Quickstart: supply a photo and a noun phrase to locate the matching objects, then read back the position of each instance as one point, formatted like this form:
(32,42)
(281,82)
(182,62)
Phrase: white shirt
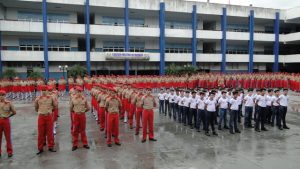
(223,103)
(186,101)
(269,100)
(240,98)
(201,103)
(211,105)
(249,101)
(172,98)
(283,100)
(229,96)
(234,104)
(275,100)
(180,101)
(193,103)
(261,100)
(177,99)
(161,96)
(166,96)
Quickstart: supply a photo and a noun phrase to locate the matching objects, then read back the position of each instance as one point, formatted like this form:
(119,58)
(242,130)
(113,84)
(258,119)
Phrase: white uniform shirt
(283,100)
(177,99)
(261,100)
(161,96)
(234,104)
(269,100)
(180,100)
(193,103)
(167,95)
(223,103)
(211,105)
(275,100)
(201,103)
(240,98)
(249,101)
(186,101)
(172,98)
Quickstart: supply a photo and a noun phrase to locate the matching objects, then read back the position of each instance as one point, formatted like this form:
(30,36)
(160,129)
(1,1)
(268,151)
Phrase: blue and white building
(213,37)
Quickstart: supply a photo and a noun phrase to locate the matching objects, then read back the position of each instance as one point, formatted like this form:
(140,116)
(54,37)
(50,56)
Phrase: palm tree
(10,73)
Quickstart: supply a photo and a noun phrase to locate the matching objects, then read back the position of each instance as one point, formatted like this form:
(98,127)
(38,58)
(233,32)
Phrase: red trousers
(55,114)
(130,114)
(148,116)
(5,128)
(45,131)
(101,117)
(79,124)
(138,118)
(112,127)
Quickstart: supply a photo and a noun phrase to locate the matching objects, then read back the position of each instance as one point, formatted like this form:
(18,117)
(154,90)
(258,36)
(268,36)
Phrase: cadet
(6,111)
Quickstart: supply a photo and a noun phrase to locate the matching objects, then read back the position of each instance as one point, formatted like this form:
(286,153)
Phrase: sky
(278,4)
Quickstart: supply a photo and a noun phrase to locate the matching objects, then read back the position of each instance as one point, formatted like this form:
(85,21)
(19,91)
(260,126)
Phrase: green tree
(77,70)
(35,74)
(172,69)
(188,69)
(10,73)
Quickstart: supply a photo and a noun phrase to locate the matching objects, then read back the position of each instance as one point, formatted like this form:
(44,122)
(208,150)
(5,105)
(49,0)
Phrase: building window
(120,47)
(38,17)
(178,48)
(37,45)
(178,25)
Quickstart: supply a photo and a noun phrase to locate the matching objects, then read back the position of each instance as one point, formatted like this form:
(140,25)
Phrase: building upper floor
(107,18)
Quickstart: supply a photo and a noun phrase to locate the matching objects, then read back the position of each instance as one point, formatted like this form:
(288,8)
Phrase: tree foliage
(10,73)
(179,70)
(77,70)
(36,74)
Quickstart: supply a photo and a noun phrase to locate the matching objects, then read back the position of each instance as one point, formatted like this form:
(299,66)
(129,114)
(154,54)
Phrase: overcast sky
(279,4)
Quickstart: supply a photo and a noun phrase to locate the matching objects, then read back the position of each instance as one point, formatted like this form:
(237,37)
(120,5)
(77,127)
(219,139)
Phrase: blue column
(87,37)
(251,41)
(162,38)
(223,41)
(0,54)
(276,43)
(194,39)
(45,39)
(127,49)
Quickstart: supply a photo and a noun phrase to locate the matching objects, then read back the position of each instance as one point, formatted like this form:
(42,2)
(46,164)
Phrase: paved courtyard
(178,147)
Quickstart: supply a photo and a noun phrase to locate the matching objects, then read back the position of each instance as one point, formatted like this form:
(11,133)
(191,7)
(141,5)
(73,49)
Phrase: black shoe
(143,141)
(118,144)
(9,155)
(207,134)
(237,131)
(250,126)
(198,131)
(74,148)
(86,146)
(215,134)
(109,145)
(264,129)
(219,128)
(225,127)
(280,128)
(39,152)
(257,130)
(272,125)
(231,132)
(51,150)
(152,139)
(286,127)
(101,129)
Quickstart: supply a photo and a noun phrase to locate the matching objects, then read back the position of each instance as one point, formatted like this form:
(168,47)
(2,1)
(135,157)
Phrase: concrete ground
(178,147)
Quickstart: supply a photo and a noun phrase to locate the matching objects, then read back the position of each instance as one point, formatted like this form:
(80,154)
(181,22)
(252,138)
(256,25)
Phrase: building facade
(214,37)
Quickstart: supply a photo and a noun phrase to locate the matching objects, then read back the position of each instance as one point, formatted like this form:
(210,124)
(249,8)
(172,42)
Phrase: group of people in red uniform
(116,97)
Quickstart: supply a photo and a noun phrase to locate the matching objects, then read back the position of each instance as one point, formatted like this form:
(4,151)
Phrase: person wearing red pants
(149,104)
(113,106)
(44,106)
(6,111)
(101,114)
(132,108)
(79,106)
(139,111)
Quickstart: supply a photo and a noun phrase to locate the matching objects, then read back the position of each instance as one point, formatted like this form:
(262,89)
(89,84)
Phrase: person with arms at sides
(7,110)
(261,101)
(210,107)
(283,101)
(223,104)
(276,110)
(201,112)
(249,103)
(234,108)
